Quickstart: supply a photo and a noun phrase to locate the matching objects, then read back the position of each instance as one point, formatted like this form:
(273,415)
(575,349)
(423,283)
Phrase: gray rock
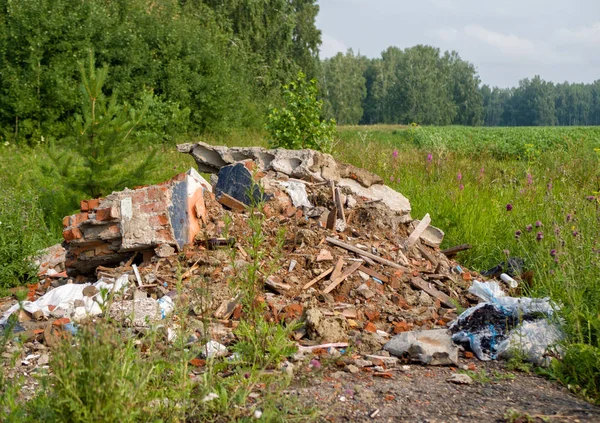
(433,347)
(352,369)
(460,379)
(359,362)
(365,291)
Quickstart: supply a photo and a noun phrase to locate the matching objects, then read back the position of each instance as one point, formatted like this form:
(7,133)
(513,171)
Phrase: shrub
(299,125)
(22,234)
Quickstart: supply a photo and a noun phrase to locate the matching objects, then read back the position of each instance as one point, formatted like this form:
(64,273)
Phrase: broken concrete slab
(305,164)
(136,313)
(113,228)
(395,201)
(325,328)
(432,347)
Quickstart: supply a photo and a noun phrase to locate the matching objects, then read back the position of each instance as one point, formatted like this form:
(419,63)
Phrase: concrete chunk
(433,347)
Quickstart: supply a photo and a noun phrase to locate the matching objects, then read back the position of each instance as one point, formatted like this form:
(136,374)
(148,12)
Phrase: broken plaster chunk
(393,199)
(365,291)
(213,349)
(433,347)
(460,379)
(164,250)
(324,255)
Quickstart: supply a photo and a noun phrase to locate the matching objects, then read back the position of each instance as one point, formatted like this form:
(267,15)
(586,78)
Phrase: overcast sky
(506,40)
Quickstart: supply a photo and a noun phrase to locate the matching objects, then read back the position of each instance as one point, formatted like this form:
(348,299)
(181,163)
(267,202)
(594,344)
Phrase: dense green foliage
(298,124)
(210,66)
(22,234)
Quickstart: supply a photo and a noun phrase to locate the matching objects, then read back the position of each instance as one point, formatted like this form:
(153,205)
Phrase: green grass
(465,178)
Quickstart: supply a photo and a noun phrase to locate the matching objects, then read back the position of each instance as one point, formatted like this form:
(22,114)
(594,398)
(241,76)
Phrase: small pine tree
(103,139)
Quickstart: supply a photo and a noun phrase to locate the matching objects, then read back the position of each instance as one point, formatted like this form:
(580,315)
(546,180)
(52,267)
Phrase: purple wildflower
(315,363)
(553,252)
(575,233)
(517,234)
(529,228)
(459,176)
(539,236)
(590,198)
(391,178)
(481,171)
(509,207)
(429,158)
(549,186)
(569,217)
(538,224)
(529,179)
(461,187)
(506,252)
(395,153)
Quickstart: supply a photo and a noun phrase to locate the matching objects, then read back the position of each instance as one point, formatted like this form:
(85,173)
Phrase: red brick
(232,203)
(138,196)
(71,234)
(106,214)
(154,193)
(468,354)
(93,204)
(155,207)
(159,220)
(80,217)
(373,316)
(250,165)
(466,276)
(84,206)
(62,321)
(237,312)
(66,221)
(103,250)
(293,310)
(370,327)
(165,235)
(400,327)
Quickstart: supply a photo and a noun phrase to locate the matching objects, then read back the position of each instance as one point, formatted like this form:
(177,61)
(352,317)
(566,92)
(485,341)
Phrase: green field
(523,192)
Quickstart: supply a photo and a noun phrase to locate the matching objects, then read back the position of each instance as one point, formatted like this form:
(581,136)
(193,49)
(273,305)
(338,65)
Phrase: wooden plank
(424,286)
(416,234)
(449,252)
(373,273)
(364,253)
(343,277)
(337,271)
(339,205)
(332,218)
(318,278)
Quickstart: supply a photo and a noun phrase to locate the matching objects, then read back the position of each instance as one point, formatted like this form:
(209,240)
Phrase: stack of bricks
(110,230)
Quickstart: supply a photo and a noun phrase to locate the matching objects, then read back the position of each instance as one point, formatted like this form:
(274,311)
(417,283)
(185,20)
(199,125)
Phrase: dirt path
(422,394)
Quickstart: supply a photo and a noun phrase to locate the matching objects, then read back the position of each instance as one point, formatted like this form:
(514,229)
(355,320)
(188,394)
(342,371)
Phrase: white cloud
(586,36)
(331,46)
(507,44)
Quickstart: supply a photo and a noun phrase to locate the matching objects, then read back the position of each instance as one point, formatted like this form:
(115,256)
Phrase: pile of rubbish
(354,267)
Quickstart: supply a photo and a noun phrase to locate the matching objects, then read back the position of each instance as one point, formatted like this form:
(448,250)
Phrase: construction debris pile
(354,267)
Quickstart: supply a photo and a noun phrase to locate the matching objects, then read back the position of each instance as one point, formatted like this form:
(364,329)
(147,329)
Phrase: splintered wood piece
(416,234)
(360,252)
(331,219)
(278,287)
(337,271)
(339,205)
(343,277)
(450,252)
(373,273)
(424,286)
(318,278)
(426,254)
(403,258)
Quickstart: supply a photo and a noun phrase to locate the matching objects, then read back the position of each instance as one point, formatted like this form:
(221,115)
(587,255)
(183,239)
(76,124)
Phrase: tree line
(422,85)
